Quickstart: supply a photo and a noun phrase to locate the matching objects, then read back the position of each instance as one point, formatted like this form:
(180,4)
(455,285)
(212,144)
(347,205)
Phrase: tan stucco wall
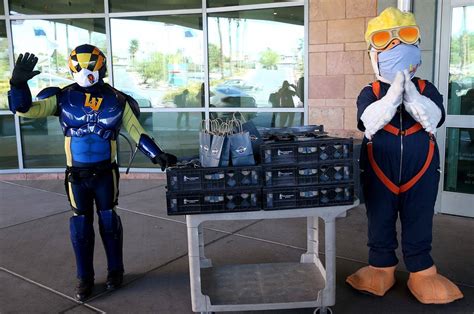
(339,66)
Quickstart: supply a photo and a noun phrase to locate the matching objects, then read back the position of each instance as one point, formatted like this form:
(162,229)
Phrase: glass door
(456,83)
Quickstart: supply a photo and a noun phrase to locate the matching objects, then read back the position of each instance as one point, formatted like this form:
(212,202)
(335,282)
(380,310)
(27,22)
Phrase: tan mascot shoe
(376,280)
(429,287)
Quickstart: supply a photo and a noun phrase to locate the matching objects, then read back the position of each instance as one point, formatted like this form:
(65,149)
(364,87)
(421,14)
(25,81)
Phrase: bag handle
(242,117)
(222,129)
(236,123)
(205,125)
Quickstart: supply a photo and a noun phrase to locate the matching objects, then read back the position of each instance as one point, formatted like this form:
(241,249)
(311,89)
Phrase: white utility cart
(266,286)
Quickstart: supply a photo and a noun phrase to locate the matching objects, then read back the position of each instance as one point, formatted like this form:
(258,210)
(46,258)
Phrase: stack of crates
(307,172)
(213,190)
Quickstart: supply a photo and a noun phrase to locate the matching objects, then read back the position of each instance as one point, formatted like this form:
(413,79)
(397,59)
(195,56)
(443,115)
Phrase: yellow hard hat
(389,18)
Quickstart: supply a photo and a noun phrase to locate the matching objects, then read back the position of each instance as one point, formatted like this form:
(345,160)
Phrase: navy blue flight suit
(400,158)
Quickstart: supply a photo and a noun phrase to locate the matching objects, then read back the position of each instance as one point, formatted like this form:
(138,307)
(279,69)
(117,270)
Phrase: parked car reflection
(230,97)
(143,101)
(236,83)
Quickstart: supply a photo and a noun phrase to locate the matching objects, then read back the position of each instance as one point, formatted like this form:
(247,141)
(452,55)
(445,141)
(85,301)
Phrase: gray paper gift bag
(205,141)
(241,151)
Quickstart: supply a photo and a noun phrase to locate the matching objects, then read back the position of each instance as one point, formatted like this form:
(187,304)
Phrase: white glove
(381,112)
(421,108)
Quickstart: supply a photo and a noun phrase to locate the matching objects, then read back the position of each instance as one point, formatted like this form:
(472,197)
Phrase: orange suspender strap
(389,184)
(421,85)
(405,187)
(376,89)
(412,130)
(391,129)
(382,177)
(395,131)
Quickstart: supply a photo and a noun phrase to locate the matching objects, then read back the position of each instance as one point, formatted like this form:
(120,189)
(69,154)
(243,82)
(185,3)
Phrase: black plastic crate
(336,172)
(308,196)
(307,150)
(308,174)
(221,178)
(213,202)
(336,195)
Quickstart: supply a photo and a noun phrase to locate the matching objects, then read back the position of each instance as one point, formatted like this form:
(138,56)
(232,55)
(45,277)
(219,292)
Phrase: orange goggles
(407,34)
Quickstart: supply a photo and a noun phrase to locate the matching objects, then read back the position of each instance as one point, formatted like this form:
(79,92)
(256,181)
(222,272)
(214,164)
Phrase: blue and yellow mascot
(91,114)
(399,114)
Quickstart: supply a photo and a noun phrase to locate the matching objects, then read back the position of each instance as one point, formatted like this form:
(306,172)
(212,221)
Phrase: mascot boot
(375,280)
(429,287)
(82,238)
(111,231)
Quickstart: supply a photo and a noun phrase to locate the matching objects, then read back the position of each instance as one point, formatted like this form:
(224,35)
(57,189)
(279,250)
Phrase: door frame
(449,202)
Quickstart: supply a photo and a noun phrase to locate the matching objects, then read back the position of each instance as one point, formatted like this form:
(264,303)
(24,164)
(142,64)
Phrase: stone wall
(339,66)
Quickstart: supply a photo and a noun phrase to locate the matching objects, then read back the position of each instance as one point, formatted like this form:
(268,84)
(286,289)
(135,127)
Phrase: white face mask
(86,78)
(399,58)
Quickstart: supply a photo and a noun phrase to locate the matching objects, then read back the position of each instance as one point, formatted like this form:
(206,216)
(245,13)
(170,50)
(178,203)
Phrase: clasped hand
(402,89)
(381,112)
(421,108)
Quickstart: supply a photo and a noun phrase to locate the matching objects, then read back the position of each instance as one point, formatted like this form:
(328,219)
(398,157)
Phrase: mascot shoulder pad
(133,104)
(48,92)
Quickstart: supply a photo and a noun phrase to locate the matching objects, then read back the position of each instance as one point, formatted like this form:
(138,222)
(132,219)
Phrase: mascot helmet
(392,39)
(389,25)
(87,65)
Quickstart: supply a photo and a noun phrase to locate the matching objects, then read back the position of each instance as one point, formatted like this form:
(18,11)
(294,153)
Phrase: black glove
(165,160)
(23,70)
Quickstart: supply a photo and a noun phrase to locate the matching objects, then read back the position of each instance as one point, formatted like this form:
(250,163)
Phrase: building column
(339,66)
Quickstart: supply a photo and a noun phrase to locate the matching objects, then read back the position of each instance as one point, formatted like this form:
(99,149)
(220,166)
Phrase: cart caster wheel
(323,310)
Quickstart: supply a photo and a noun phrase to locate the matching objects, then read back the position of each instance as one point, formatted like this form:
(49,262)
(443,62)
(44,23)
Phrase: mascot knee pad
(81,229)
(109,221)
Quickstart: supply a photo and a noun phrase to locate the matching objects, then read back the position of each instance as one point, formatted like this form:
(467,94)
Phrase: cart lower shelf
(269,286)
(262,283)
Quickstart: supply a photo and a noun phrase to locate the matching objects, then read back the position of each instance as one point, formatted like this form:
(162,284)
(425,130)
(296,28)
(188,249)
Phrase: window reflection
(52,42)
(246,67)
(162,67)
(459,168)
(176,132)
(264,119)
(8,153)
(43,143)
(226,3)
(54,6)
(180,138)
(461,68)
(4,67)
(124,6)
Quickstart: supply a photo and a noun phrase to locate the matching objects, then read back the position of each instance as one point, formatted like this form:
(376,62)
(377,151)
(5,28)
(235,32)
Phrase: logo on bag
(214,151)
(93,102)
(241,150)
(206,148)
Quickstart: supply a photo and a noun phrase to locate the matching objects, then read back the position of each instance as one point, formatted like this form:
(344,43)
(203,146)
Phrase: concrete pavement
(37,269)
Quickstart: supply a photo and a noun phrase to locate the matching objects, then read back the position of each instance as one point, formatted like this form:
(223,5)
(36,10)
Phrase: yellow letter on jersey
(92,102)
